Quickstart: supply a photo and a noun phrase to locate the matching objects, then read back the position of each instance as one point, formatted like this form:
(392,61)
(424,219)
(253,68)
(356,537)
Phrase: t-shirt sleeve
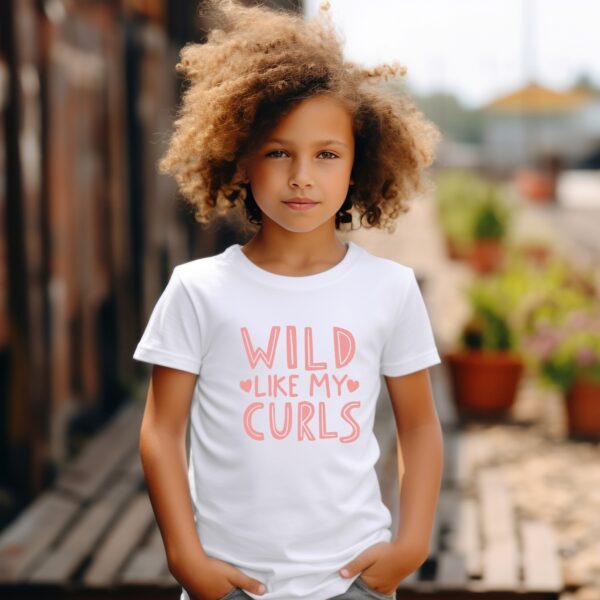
(410,345)
(172,335)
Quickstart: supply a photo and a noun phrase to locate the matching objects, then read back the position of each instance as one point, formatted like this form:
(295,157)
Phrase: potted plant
(536,249)
(489,230)
(486,368)
(458,195)
(566,355)
(535,185)
(473,216)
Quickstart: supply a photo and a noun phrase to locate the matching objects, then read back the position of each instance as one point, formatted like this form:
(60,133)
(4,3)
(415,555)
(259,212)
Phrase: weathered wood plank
(155,539)
(147,566)
(26,540)
(501,565)
(103,454)
(126,534)
(62,561)
(446,511)
(542,570)
(464,536)
(451,571)
(462,460)
(500,554)
(498,520)
(132,466)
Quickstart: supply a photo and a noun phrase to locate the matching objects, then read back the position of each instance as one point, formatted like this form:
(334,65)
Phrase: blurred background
(506,246)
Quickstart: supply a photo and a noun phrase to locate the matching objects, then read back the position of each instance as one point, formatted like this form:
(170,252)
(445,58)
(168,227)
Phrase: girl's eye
(274,151)
(331,154)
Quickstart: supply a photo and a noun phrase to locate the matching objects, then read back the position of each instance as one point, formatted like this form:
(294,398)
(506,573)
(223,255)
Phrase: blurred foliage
(570,350)
(508,305)
(471,207)
(492,218)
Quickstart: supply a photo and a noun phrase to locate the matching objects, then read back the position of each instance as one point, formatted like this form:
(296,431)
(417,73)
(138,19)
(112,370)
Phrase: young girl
(275,350)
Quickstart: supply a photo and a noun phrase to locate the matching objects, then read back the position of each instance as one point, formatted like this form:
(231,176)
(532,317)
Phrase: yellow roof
(537,98)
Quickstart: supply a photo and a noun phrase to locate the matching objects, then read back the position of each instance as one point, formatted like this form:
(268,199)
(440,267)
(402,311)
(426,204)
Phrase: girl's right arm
(163,456)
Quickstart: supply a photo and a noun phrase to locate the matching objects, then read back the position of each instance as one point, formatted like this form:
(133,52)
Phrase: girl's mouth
(301,205)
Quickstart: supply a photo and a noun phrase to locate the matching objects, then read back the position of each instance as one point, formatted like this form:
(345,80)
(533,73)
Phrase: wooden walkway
(93,535)
(480,546)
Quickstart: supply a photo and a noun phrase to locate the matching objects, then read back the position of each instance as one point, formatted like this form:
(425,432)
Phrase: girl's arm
(164,462)
(420,436)
(163,455)
(384,565)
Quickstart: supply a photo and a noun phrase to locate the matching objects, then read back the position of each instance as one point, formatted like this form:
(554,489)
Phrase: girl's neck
(295,255)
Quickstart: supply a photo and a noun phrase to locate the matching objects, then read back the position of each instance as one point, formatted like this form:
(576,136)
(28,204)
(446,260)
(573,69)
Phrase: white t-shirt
(282,449)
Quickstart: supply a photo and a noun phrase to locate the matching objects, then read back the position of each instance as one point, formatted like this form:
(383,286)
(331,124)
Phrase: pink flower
(547,346)
(585,356)
(544,343)
(579,319)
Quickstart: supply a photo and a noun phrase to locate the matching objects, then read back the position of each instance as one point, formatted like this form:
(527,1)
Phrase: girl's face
(309,155)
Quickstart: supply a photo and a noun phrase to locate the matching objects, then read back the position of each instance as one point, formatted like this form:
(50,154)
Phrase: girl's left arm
(384,565)
(420,435)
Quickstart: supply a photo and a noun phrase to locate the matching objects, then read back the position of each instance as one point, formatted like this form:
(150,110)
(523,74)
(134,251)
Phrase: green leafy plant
(491,219)
(471,207)
(508,305)
(489,326)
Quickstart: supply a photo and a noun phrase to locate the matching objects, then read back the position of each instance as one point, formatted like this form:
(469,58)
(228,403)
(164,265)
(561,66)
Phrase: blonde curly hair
(256,65)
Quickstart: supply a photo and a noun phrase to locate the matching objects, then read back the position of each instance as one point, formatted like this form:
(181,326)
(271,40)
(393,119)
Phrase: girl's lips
(301,205)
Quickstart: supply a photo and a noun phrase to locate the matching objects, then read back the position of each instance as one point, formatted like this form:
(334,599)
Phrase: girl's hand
(384,565)
(213,578)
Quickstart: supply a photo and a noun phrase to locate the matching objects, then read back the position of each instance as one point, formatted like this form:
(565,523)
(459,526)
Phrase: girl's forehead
(320,103)
(322,113)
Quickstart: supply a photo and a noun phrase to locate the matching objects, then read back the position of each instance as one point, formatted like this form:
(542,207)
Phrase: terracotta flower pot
(484,382)
(583,409)
(486,255)
(454,250)
(535,185)
(538,254)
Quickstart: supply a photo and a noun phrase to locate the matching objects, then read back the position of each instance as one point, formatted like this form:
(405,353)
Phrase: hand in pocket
(215,579)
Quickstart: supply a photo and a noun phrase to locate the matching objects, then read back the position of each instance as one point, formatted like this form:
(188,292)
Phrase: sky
(476,49)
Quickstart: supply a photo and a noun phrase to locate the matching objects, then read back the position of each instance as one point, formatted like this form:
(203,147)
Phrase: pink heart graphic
(353,384)
(246,384)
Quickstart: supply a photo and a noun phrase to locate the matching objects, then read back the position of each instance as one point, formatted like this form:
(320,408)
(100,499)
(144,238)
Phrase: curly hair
(256,65)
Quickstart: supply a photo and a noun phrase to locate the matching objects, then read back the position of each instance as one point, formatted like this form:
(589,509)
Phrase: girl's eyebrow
(318,143)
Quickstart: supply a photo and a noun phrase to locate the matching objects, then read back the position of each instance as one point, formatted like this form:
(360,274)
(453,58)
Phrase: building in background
(537,124)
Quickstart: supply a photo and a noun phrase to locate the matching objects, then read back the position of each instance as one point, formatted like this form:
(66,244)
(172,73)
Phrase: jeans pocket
(360,582)
(230,594)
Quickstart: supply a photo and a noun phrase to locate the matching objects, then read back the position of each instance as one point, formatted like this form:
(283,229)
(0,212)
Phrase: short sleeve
(411,344)
(172,335)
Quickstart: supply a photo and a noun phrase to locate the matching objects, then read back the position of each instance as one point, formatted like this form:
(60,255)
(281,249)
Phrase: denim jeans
(359,590)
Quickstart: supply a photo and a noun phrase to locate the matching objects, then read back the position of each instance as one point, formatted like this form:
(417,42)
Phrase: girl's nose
(300,175)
